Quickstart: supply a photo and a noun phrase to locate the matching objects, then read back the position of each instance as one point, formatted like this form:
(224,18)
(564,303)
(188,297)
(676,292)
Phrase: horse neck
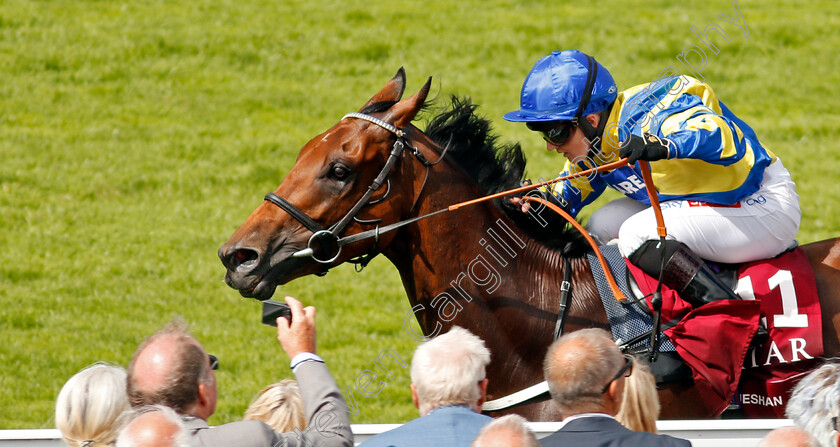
(474,268)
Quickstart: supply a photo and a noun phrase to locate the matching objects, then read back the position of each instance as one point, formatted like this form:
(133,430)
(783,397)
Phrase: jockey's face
(576,148)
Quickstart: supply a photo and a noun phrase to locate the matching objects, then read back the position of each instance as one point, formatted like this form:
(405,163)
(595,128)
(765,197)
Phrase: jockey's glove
(555,200)
(548,197)
(650,148)
(543,211)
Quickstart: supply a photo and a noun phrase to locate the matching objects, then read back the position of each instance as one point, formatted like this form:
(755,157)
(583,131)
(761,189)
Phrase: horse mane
(497,167)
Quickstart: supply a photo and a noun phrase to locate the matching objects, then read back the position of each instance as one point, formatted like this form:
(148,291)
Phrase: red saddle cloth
(713,340)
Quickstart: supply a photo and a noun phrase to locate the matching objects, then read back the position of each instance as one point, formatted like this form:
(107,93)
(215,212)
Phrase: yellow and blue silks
(715,157)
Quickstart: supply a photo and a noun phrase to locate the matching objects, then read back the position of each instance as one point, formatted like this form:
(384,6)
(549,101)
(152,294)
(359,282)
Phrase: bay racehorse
(488,267)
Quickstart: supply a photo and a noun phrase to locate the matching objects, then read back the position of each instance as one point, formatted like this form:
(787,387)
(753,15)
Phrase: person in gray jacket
(172,368)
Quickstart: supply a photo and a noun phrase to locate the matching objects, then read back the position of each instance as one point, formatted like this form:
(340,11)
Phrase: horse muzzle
(256,275)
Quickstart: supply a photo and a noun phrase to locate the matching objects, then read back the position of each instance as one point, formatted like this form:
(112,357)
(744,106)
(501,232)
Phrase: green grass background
(136,136)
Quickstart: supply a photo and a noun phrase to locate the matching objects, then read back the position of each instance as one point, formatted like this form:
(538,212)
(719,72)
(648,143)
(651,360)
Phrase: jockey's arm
(705,136)
(578,192)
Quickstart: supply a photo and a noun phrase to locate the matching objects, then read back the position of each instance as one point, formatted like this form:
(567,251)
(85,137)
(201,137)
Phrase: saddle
(711,343)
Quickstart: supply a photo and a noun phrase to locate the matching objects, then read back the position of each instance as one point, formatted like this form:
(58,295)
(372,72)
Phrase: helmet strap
(593,135)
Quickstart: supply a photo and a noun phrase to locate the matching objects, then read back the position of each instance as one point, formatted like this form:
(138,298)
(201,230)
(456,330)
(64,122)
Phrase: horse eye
(339,172)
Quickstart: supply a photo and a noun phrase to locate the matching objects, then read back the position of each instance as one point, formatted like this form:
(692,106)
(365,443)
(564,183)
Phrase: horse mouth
(260,290)
(282,268)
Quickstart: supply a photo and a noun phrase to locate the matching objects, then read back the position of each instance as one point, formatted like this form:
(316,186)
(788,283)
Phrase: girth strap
(565,293)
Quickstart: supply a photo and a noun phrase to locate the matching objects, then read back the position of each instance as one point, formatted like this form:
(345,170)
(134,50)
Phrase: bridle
(330,237)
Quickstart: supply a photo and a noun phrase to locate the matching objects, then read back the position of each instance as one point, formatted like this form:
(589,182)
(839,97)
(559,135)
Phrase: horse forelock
(494,167)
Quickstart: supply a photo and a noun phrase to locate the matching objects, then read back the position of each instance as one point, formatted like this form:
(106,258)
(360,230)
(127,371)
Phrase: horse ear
(392,92)
(404,111)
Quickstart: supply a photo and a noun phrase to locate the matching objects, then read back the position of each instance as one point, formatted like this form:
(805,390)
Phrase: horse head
(344,181)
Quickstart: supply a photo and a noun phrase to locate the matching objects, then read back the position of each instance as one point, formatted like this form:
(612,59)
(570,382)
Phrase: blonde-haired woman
(640,406)
(280,406)
(89,406)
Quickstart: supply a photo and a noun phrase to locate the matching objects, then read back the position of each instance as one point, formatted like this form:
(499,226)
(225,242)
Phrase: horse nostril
(243,257)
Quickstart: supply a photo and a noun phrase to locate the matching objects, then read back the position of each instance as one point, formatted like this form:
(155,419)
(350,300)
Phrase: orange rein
(617,293)
(654,199)
(654,203)
(606,167)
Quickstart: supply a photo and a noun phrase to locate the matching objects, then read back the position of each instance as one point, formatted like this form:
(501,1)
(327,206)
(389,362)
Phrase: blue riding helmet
(554,88)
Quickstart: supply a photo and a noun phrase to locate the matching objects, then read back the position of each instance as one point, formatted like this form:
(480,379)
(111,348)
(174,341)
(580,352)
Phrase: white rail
(711,433)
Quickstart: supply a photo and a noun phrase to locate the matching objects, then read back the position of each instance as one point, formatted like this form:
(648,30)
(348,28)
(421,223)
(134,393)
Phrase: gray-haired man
(814,404)
(448,386)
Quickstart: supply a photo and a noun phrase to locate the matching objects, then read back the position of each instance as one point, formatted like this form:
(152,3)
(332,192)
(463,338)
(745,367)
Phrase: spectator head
(814,404)
(450,369)
(154,426)
(640,407)
(585,372)
(171,368)
(89,406)
(788,437)
(506,431)
(280,406)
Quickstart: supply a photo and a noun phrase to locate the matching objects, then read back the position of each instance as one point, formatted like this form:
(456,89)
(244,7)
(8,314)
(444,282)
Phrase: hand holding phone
(299,336)
(273,309)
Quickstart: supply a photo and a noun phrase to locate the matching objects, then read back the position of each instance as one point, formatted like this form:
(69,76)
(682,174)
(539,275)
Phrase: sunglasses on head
(554,132)
(214,362)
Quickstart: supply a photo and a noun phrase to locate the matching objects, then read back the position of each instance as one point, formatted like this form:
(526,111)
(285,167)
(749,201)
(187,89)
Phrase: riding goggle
(557,134)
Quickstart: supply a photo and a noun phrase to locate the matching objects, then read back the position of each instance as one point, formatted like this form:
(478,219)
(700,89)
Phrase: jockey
(723,195)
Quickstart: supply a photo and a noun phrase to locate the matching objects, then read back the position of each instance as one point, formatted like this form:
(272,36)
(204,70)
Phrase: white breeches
(764,225)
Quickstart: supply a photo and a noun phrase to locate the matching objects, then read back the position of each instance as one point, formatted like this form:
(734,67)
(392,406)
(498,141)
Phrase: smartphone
(272,309)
